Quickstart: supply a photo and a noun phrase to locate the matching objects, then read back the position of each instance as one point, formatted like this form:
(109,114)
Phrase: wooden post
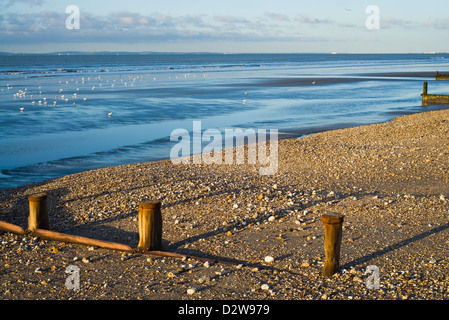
(424,92)
(332,232)
(38,216)
(150,225)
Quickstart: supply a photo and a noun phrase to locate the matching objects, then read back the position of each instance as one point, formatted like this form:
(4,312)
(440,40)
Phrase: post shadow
(395,246)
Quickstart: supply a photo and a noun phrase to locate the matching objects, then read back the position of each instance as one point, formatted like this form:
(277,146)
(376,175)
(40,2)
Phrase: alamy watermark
(72,282)
(373,281)
(372,22)
(73,20)
(212,153)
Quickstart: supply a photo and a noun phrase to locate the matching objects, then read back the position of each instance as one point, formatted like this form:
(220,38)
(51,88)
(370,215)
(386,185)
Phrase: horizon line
(200,52)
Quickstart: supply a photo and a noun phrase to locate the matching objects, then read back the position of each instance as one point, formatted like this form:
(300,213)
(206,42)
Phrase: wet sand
(426,74)
(327,80)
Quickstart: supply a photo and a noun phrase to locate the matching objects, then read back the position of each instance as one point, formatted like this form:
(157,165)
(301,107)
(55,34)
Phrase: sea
(64,113)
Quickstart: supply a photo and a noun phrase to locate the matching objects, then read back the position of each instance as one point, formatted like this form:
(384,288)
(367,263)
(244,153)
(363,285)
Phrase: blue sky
(225,26)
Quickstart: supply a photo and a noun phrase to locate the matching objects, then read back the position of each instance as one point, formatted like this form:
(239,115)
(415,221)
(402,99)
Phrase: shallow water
(150,96)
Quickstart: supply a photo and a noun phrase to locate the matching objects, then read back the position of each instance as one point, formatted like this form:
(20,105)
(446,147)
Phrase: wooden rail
(150,230)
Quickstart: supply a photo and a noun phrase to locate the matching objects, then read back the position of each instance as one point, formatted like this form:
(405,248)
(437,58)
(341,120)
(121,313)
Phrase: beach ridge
(390,180)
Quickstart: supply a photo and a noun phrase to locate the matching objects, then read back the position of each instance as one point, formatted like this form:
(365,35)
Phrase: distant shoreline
(194,52)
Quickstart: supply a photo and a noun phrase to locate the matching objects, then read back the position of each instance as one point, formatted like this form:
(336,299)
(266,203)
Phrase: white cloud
(390,22)
(30,2)
(439,24)
(127,27)
(230,19)
(312,20)
(277,16)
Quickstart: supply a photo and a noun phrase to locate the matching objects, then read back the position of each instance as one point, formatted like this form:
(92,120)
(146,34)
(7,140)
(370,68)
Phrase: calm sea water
(61,114)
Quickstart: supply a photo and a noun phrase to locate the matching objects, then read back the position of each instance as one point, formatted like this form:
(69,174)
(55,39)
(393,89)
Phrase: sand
(389,180)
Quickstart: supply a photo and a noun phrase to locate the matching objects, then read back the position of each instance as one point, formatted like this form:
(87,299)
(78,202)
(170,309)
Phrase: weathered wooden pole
(56,236)
(8,227)
(150,225)
(38,216)
(424,91)
(332,240)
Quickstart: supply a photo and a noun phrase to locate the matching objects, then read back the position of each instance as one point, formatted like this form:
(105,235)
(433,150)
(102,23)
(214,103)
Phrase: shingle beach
(262,234)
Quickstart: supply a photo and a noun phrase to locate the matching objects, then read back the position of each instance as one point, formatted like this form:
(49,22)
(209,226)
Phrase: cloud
(312,20)
(230,19)
(327,22)
(129,27)
(393,22)
(277,16)
(146,28)
(440,24)
(390,22)
(8,3)
(191,21)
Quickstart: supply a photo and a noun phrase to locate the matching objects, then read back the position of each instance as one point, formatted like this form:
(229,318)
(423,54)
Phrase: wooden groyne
(439,76)
(150,231)
(433,99)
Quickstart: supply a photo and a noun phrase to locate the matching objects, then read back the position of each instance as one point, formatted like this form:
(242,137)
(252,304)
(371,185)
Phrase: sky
(232,26)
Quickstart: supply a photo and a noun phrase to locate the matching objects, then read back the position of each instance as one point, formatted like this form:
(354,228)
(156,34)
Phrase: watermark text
(73,20)
(212,153)
(372,22)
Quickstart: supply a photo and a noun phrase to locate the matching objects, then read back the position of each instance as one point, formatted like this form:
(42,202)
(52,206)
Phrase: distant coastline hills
(67,53)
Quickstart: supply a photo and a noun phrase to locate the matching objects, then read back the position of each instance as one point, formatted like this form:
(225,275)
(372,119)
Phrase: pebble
(191,291)
(265,286)
(204,279)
